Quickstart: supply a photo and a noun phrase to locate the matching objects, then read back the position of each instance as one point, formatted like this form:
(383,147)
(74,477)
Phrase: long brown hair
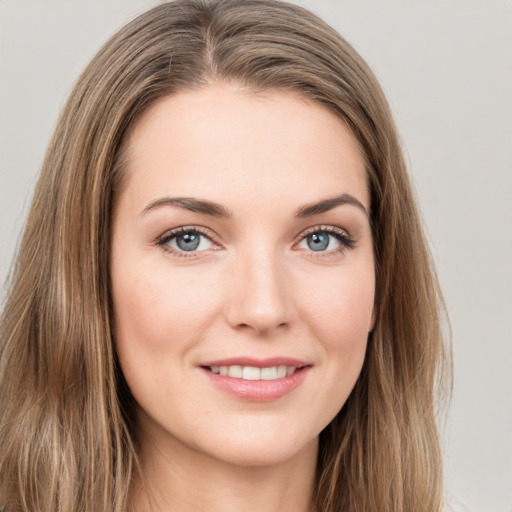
(65,430)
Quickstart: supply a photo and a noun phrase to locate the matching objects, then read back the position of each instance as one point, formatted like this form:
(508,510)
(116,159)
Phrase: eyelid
(162,240)
(347,241)
(325,228)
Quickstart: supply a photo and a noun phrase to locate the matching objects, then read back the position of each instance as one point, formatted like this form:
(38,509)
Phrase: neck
(179,478)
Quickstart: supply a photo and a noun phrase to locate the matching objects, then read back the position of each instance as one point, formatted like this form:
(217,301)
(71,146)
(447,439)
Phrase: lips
(256,380)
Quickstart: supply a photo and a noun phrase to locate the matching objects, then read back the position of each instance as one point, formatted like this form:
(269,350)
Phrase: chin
(258,453)
(260,443)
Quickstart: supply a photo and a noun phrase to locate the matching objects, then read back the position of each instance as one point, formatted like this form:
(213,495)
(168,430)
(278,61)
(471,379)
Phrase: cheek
(155,311)
(157,319)
(341,304)
(339,310)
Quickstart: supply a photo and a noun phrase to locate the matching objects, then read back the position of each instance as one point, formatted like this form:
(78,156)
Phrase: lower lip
(258,390)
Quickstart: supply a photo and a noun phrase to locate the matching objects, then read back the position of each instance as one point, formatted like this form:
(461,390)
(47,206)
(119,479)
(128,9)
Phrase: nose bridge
(259,298)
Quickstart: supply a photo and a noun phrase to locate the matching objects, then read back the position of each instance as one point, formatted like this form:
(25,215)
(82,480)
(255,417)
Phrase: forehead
(224,143)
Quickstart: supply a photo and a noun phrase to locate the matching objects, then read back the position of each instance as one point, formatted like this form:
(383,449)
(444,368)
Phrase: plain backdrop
(446,67)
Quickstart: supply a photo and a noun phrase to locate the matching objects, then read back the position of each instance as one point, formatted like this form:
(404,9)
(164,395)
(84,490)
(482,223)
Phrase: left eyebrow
(325,205)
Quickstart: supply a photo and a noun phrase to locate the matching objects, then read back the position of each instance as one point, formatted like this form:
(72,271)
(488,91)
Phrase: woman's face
(242,272)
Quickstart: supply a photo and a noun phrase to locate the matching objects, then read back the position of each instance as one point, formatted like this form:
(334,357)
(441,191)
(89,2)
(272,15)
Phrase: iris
(188,241)
(318,241)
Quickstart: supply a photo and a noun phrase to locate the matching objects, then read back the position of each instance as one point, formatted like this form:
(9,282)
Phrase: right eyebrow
(189,203)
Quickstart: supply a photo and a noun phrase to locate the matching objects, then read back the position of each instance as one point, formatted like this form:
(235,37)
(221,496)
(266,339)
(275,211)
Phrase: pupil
(188,241)
(318,241)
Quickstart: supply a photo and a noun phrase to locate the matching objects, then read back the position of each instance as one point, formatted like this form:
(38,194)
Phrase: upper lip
(257,363)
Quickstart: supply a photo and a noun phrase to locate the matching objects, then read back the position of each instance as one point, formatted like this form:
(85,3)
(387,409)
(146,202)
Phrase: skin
(253,288)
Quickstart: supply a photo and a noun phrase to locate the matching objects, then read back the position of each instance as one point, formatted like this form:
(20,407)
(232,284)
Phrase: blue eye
(318,241)
(326,240)
(186,240)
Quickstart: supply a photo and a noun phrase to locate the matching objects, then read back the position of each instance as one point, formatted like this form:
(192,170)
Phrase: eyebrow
(190,203)
(217,210)
(328,204)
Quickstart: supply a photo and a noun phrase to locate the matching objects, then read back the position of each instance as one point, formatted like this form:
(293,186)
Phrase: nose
(258,294)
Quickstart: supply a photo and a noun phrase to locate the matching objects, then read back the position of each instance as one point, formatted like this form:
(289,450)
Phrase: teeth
(235,371)
(281,371)
(251,373)
(269,373)
(254,373)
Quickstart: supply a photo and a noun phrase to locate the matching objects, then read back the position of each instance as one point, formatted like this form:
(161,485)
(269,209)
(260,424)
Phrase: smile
(253,372)
(256,380)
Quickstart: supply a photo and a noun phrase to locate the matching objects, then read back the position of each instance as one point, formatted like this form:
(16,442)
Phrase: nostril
(261,328)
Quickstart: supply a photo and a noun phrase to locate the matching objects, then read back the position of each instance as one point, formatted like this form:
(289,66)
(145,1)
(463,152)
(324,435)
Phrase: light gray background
(446,67)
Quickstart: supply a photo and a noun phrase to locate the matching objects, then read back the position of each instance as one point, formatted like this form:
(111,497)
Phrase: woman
(223,298)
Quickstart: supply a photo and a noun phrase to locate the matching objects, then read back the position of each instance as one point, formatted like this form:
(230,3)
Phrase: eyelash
(346,241)
(164,240)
